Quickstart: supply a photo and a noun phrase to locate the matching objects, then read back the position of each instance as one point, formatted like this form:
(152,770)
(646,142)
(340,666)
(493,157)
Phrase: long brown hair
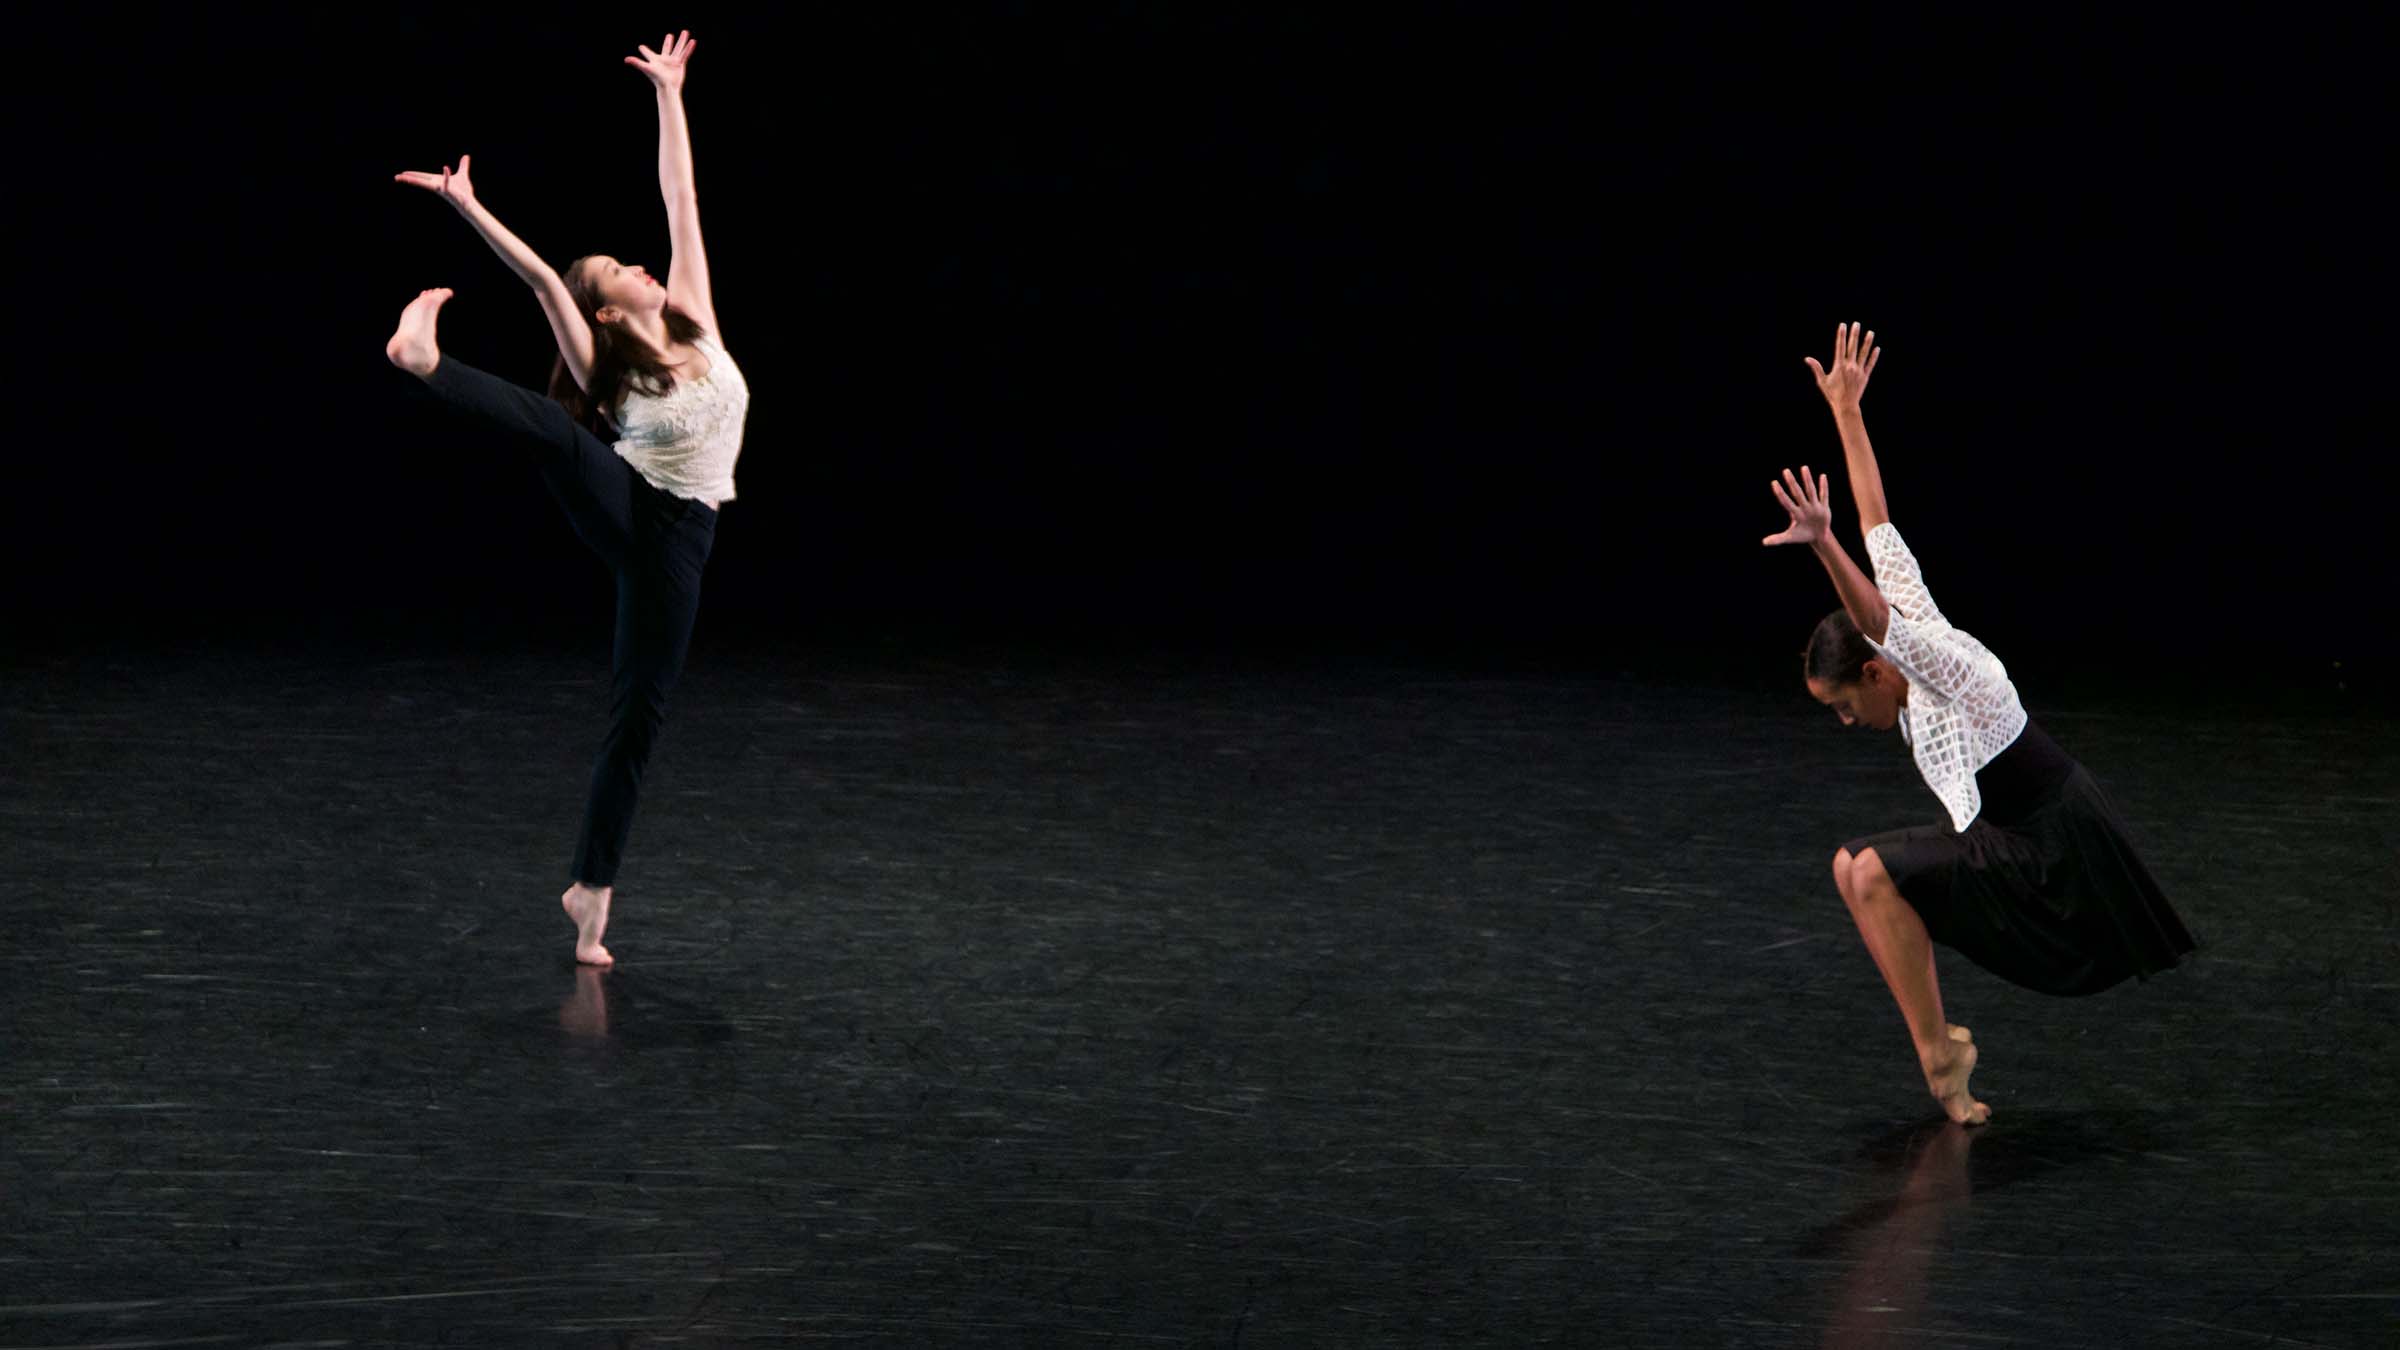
(618,365)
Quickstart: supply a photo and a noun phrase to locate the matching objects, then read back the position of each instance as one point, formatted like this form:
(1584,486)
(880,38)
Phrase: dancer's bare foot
(1946,1070)
(588,907)
(411,347)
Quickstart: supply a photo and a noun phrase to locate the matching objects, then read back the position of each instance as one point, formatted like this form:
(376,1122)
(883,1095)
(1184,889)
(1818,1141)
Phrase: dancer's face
(1871,700)
(625,289)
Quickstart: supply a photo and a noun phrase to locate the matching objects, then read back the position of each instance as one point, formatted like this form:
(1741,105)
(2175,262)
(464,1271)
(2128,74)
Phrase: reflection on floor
(985,1004)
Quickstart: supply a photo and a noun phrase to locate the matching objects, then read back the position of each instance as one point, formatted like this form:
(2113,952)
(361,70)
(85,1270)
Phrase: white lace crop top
(686,440)
(1962,711)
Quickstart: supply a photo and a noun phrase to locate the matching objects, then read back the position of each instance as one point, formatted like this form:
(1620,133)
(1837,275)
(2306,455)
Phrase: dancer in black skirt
(638,362)
(2033,876)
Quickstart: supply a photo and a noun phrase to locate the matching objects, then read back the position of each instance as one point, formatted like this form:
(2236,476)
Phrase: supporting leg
(658,599)
(1895,936)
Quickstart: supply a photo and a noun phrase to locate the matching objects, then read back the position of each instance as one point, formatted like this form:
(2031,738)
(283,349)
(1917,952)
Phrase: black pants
(655,542)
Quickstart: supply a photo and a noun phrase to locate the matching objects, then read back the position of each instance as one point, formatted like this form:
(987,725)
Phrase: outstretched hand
(453,187)
(1810,507)
(1854,360)
(665,66)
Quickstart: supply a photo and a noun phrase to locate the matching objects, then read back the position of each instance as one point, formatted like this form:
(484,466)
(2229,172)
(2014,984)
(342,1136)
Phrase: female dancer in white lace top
(2032,876)
(640,361)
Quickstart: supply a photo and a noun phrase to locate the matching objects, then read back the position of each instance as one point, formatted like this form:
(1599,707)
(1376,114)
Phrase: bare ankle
(1955,1045)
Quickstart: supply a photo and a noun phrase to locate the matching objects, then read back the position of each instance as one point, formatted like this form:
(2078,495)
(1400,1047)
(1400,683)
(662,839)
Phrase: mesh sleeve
(1896,575)
(1918,639)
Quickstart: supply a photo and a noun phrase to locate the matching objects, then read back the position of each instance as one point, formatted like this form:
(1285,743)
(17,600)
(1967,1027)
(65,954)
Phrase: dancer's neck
(650,333)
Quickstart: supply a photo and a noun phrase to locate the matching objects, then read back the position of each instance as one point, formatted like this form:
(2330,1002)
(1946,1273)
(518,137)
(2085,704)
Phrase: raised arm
(1810,506)
(1853,361)
(687,267)
(566,322)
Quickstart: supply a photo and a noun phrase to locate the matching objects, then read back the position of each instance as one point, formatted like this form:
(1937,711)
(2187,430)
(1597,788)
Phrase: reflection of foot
(588,907)
(411,347)
(1940,1169)
(585,1013)
(1946,1070)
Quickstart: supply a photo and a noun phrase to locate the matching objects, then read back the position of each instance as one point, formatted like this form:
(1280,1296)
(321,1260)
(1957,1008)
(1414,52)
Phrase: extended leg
(1895,936)
(592,484)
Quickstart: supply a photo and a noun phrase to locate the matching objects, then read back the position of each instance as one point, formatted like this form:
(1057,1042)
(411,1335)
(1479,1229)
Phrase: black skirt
(2044,889)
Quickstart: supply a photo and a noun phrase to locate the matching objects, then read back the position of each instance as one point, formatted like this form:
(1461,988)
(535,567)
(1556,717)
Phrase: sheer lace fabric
(1962,710)
(686,440)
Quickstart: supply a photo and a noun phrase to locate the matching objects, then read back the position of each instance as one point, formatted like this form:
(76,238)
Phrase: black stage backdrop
(1467,332)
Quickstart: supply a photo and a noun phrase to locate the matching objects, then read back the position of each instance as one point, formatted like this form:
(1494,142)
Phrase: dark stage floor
(986,1003)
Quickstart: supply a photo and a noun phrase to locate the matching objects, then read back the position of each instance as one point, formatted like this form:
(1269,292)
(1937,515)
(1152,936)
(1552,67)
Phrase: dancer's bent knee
(1868,879)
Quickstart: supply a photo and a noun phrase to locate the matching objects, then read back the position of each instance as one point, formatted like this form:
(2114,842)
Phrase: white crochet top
(686,440)
(1961,711)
